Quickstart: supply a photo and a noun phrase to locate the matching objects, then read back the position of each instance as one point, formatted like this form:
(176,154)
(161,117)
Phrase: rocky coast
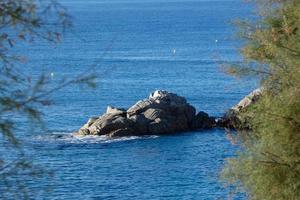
(161,113)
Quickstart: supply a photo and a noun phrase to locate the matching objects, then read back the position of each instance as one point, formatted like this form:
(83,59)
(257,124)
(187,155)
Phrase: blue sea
(135,47)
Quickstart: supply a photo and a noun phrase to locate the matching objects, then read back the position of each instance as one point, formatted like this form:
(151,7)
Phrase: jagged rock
(161,113)
(233,117)
(166,97)
(113,110)
(152,114)
(140,107)
(248,100)
(203,121)
(159,126)
(140,124)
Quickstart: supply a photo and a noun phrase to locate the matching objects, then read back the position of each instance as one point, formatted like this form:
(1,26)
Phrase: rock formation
(161,113)
(233,117)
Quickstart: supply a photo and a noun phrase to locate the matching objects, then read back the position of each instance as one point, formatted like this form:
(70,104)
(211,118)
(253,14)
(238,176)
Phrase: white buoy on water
(174,51)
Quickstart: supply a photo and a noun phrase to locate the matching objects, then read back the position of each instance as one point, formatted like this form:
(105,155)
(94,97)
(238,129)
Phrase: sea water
(135,47)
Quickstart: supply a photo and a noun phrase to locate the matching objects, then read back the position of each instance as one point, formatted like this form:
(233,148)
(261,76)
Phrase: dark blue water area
(136,47)
(183,166)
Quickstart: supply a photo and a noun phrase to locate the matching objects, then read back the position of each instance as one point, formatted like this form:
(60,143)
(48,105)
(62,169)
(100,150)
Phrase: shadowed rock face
(161,113)
(233,118)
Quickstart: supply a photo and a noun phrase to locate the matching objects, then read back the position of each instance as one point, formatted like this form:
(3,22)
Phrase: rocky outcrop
(234,118)
(161,113)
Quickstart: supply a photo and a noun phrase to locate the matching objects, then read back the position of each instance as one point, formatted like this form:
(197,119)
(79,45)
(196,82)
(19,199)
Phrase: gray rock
(140,107)
(203,121)
(107,123)
(180,123)
(113,110)
(189,112)
(90,122)
(167,97)
(121,132)
(159,126)
(161,113)
(140,124)
(154,113)
(233,117)
(248,100)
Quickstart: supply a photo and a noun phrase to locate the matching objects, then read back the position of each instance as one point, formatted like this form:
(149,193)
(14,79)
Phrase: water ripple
(66,137)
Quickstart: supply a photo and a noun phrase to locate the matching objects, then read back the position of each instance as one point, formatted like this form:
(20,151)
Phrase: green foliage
(268,166)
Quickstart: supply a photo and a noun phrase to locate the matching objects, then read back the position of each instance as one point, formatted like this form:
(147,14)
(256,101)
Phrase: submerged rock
(161,113)
(233,117)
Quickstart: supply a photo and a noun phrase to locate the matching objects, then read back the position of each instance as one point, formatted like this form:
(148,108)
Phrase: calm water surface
(138,47)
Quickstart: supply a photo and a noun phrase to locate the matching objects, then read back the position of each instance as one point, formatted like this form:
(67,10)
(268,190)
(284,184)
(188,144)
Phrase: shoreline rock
(165,113)
(162,113)
(233,118)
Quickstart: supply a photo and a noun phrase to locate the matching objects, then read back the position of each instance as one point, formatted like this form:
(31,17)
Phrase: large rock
(202,120)
(234,118)
(161,113)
